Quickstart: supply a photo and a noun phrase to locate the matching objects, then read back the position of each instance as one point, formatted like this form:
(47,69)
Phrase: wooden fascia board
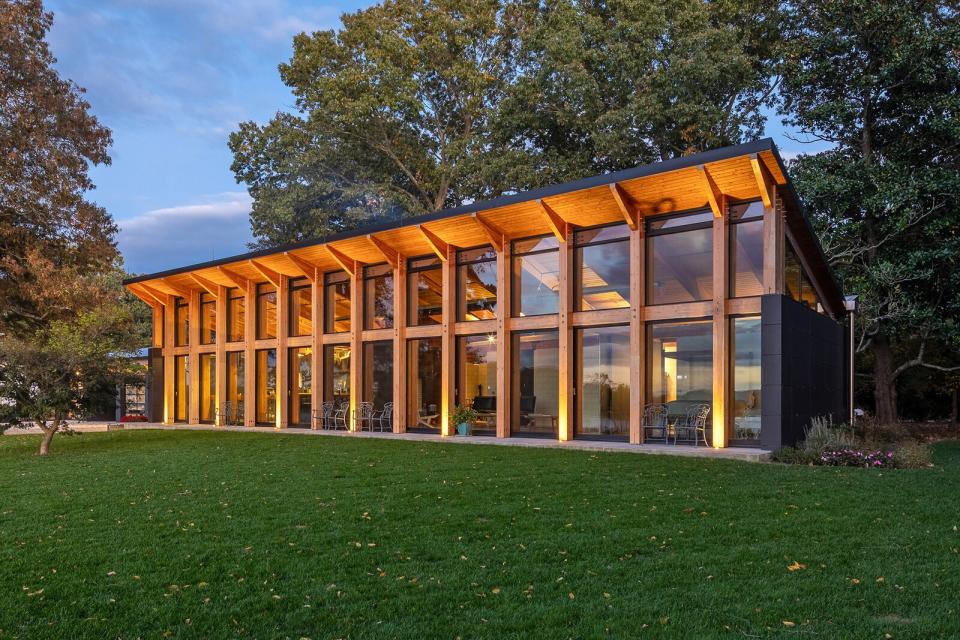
(711,190)
(494,235)
(765,181)
(391,255)
(346,263)
(626,206)
(272,276)
(303,267)
(439,246)
(234,277)
(557,224)
(183,293)
(210,287)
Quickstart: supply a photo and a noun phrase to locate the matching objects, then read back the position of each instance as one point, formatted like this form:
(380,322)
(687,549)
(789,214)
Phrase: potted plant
(463,417)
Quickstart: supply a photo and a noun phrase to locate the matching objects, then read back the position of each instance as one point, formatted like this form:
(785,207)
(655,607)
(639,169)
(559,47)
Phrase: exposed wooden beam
(267,273)
(439,246)
(391,255)
(303,267)
(712,191)
(346,263)
(155,295)
(625,204)
(210,287)
(177,289)
(765,181)
(557,224)
(145,297)
(494,235)
(234,277)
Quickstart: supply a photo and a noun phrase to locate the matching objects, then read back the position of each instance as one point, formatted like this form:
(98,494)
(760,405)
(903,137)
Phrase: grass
(230,535)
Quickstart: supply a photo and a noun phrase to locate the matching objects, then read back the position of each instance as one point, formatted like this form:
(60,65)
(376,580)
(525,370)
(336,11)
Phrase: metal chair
(384,417)
(339,418)
(231,414)
(693,427)
(654,425)
(322,417)
(363,417)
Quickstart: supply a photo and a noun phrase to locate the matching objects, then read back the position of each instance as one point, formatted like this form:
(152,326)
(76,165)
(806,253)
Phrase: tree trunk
(48,437)
(884,382)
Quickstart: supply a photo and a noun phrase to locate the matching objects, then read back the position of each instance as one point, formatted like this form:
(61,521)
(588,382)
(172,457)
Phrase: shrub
(134,419)
(912,455)
(822,435)
(462,414)
(857,458)
(791,455)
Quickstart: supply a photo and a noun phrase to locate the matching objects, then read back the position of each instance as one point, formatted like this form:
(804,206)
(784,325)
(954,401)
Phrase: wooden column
(158,331)
(447,340)
(221,361)
(773,248)
(356,342)
(720,332)
(169,377)
(638,337)
(400,346)
(316,361)
(283,390)
(249,355)
(193,363)
(565,410)
(504,341)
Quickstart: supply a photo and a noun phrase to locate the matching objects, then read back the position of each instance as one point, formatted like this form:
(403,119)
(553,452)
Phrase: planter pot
(463,429)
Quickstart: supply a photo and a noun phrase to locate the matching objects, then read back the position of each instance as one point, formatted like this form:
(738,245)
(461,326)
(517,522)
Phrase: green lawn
(220,535)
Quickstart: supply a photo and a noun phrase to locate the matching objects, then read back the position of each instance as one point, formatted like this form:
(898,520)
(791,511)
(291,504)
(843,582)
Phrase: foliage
(463,415)
(822,435)
(794,455)
(913,455)
(856,458)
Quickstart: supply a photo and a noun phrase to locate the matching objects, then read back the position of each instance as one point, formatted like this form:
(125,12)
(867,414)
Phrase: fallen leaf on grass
(789,624)
(796,566)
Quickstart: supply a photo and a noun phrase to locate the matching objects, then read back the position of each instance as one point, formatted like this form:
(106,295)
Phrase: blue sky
(172,79)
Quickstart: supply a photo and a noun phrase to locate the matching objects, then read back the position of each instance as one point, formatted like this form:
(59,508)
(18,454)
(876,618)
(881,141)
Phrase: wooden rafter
(712,191)
(146,297)
(391,255)
(177,289)
(557,224)
(156,296)
(346,263)
(439,246)
(304,268)
(625,204)
(267,273)
(494,235)
(765,181)
(234,277)
(210,287)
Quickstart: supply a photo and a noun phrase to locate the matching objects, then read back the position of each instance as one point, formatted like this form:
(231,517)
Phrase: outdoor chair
(231,414)
(323,417)
(363,416)
(654,424)
(384,417)
(693,426)
(339,419)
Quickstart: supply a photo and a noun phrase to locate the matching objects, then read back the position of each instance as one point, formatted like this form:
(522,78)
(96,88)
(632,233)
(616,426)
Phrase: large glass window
(236,313)
(424,291)
(208,318)
(477,378)
(181,388)
(301,307)
(300,378)
(378,297)
(266,399)
(603,381)
(233,409)
(746,249)
(745,380)
(536,276)
(266,311)
(680,365)
(535,376)
(336,374)
(424,363)
(680,258)
(378,376)
(477,284)
(208,387)
(336,303)
(181,322)
(602,267)
(796,281)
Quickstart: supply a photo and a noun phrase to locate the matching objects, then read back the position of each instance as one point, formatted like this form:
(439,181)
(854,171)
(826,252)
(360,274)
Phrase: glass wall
(266,399)
(424,364)
(208,318)
(536,276)
(378,374)
(208,387)
(680,365)
(181,388)
(336,304)
(301,307)
(535,379)
(424,291)
(603,381)
(602,267)
(236,312)
(266,311)
(235,384)
(336,373)
(680,258)
(746,249)
(477,378)
(745,380)
(300,377)
(477,284)
(378,297)
(181,322)
(796,281)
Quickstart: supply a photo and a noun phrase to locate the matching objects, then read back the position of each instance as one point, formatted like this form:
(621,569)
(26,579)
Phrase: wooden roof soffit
(303,267)
(207,285)
(557,224)
(178,290)
(160,296)
(144,294)
(712,191)
(346,263)
(626,205)
(765,181)
(391,255)
(234,277)
(439,246)
(493,234)
(272,276)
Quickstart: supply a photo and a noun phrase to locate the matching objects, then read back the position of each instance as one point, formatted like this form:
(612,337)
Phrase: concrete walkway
(747,454)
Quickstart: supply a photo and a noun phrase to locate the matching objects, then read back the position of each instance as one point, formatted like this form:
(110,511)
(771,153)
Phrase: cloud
(169,237)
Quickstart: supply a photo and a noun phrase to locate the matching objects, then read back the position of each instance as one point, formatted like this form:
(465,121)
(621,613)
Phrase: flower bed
(856,458)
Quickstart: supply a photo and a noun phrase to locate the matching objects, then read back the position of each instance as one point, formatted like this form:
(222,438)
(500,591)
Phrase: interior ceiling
(678,190)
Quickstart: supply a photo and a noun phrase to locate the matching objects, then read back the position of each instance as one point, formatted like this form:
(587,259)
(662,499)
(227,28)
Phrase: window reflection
(680,370)
(425,291)
(602,267)
(477,284)
(337,302)
(181,388)
(208,387)
(745,381)
(300,379)
(235,385)
(477,378)
(266,311)
(536,382)
(378,297)
(378,374)
(266,376)
(301,309)
(746,249)
(236,308)
(424,384)
(181,322)
(603,381)
(680,258)
(208,318)
(536,276)
(336,375)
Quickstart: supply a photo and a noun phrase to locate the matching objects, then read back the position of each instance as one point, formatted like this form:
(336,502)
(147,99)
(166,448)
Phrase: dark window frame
(578,386)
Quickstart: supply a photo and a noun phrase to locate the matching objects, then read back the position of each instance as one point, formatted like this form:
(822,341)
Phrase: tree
(878,80)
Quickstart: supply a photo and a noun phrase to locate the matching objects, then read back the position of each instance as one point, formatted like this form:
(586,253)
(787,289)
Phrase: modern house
(603,308)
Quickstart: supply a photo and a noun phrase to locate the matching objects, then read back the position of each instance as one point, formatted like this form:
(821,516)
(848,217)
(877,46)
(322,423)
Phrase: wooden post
(447,340)
(638,338)
(158,331)
(193,362)
(250,355)
(400,346)
(316,360)
(356,343)
(283,390)
(773,247)
(565,426)
(720,330)
(504,344)
(221,359)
